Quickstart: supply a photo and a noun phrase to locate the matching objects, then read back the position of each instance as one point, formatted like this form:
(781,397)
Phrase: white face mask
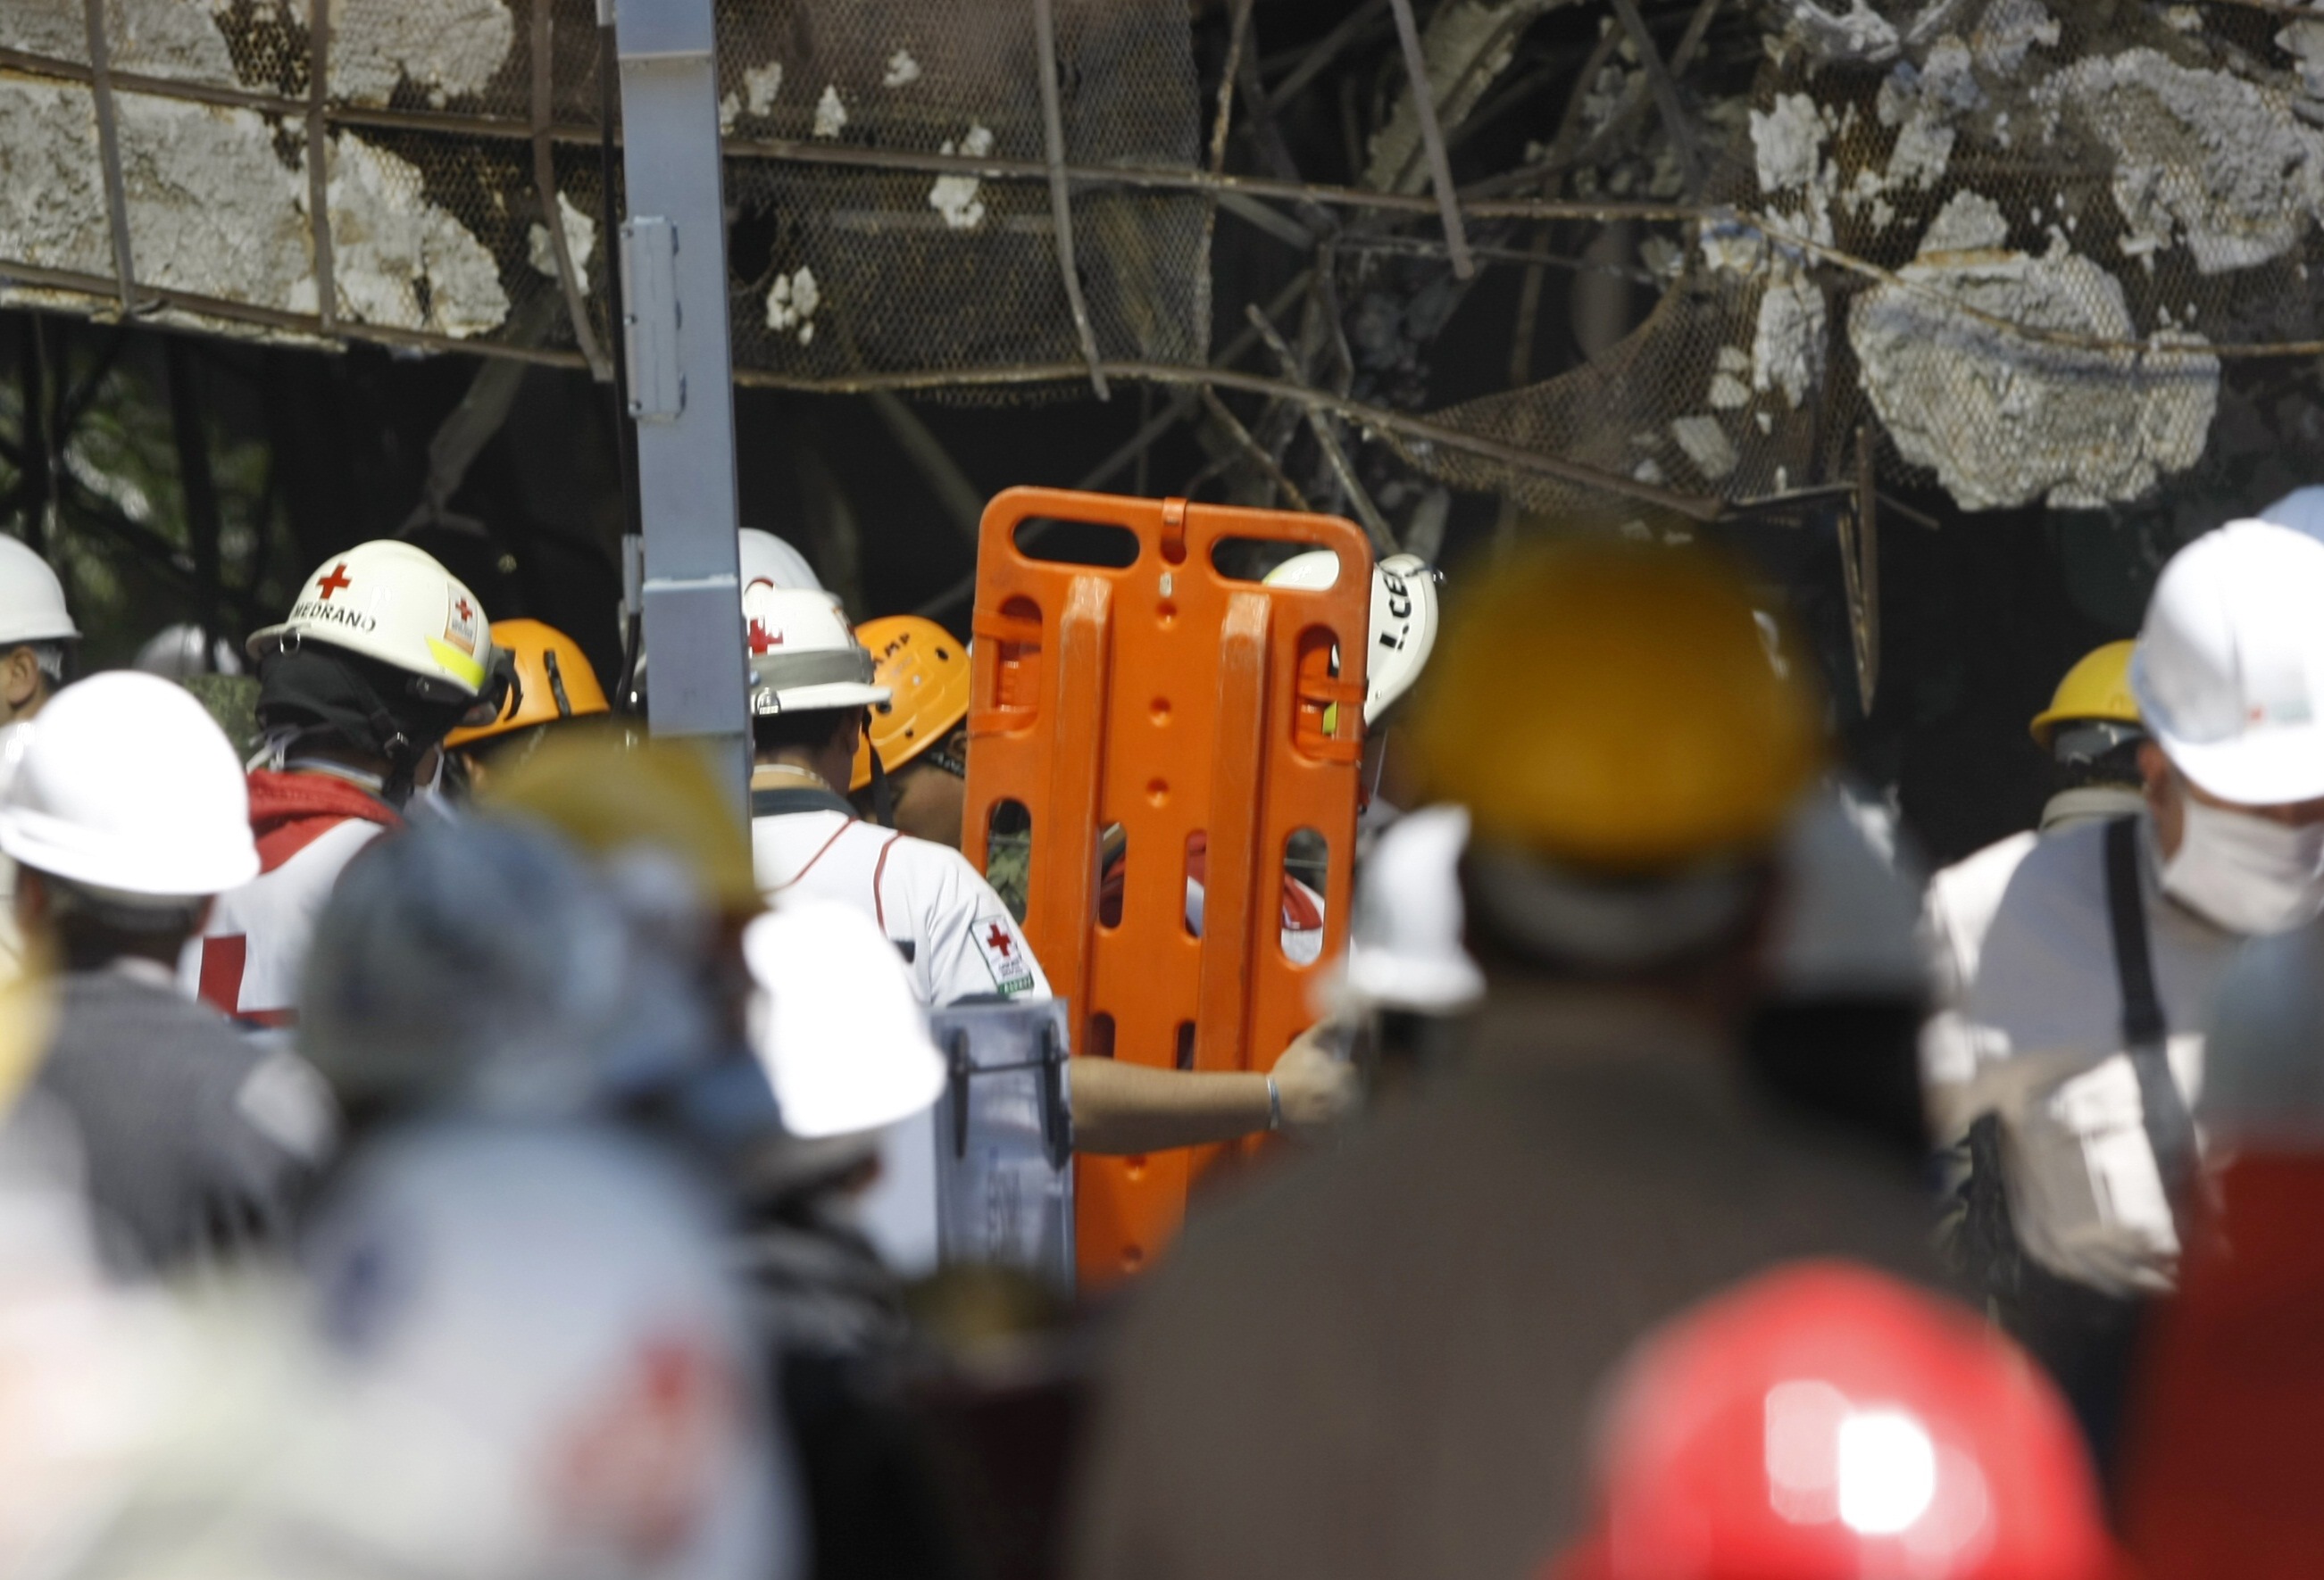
(2248,874)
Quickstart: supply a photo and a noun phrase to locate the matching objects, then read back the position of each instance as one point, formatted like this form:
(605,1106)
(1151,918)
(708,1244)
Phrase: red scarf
(290,812)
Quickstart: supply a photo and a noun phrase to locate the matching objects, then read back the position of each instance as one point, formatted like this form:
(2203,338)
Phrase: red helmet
(1824,1422)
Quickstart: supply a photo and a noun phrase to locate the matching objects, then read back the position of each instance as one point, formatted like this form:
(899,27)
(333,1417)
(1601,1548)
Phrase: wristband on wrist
(1274,1104)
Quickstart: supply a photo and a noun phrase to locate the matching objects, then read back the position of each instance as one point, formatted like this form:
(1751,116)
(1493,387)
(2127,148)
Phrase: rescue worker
(911,769)
(811,686)
(1381,1361)
(197,1146)
(552,686)
(1825,1423)
(383,656)
(36,633)
(2091,733)
(542,1365)
(2071,1035)
(811,691)
(513,1352)
(581,1001)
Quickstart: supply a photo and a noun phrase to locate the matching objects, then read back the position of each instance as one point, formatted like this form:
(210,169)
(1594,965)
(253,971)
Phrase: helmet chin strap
(402,756)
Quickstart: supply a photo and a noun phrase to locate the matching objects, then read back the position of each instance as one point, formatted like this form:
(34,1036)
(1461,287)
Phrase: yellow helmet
(925,667)
(2097,687)
(553,680)
(1618,707)
(606,795)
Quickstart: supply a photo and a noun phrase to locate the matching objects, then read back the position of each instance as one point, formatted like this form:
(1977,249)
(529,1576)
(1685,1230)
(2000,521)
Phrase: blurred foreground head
(480,964)
(1629,749)
(516,1353)
(1824,1422)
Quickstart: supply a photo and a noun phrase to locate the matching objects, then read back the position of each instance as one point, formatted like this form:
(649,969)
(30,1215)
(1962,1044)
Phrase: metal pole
(680,376)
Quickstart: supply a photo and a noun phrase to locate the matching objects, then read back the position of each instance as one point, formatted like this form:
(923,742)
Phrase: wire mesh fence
(2013,250)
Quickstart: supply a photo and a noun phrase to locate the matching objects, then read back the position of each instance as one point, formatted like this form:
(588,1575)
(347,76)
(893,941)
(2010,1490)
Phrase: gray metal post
(680,378)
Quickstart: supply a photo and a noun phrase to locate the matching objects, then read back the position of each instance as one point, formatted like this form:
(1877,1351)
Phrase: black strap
(2169,1127)
(883,792)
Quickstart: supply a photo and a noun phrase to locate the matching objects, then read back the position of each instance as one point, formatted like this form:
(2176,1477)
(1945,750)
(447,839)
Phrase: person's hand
(1318,1085)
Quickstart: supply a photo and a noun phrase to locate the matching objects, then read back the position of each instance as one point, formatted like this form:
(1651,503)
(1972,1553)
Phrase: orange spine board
(1167,698)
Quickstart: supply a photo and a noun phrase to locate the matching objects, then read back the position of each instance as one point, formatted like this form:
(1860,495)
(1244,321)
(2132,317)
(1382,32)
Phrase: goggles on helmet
(503,693)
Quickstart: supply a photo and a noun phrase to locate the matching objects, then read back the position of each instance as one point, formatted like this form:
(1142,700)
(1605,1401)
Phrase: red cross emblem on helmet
(339,581)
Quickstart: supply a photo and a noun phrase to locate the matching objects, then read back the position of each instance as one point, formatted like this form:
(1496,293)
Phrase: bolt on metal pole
(680,376)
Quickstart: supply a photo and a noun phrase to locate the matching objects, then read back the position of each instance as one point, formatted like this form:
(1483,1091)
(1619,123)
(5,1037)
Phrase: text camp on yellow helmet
(1616,707)
(2097,687)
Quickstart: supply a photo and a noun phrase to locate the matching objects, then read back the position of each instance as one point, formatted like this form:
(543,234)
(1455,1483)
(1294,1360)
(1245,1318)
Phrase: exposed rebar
(1061,200)
(1431,138)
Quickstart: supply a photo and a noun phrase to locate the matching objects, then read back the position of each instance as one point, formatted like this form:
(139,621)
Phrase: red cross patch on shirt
(1004,956)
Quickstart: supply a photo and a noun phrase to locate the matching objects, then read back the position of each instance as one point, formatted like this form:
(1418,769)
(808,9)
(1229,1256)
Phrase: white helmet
(534,1361)
(1404,617)
(123,782)
(177,653)
(835,1023)
(2230,668)
(765,563)
(394,603)
(804,655)
(765,557)
(1403,942)
(31,599)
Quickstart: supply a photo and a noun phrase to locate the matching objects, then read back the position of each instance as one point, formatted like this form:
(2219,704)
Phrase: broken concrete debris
(399,259)
(445,48)
(830,112)
(791,302)
(954,196)
(2005,418)
(1708,449)
(2202,158)
(580,236)
(1787,340)
(214,210)
(761,85)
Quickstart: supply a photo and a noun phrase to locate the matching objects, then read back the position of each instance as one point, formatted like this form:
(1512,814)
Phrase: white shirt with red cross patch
(957,939)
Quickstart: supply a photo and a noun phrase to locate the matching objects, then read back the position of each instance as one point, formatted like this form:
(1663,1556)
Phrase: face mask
(2248,874)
